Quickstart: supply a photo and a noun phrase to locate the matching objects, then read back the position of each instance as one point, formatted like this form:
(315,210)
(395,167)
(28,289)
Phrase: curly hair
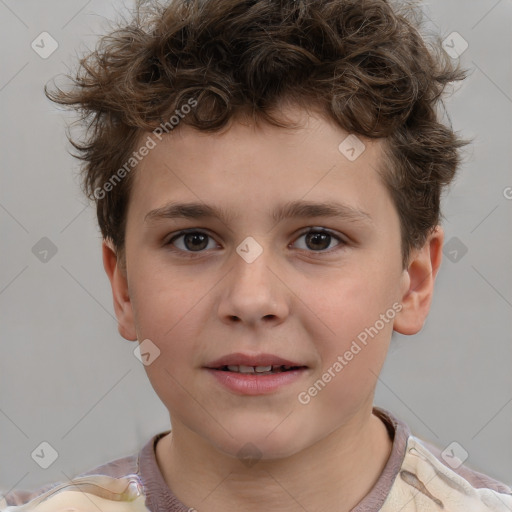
(362,63)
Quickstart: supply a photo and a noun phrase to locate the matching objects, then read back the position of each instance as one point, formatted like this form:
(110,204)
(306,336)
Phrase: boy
(264,129)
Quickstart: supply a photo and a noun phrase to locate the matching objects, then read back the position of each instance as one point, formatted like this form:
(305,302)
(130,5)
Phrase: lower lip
(254,384)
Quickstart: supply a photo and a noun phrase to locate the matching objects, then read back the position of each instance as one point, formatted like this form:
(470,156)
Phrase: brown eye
(193,241)
(318,240)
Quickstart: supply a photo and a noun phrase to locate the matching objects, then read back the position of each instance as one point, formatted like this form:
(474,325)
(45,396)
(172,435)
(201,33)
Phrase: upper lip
(239,359)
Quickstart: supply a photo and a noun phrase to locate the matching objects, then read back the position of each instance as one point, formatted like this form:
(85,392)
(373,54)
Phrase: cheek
(162,299)
(357,318)
(352,303)
(166,317)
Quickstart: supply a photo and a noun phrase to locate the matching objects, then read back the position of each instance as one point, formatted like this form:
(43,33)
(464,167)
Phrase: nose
(253,293)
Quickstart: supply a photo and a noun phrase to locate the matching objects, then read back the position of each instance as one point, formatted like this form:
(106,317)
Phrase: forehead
(252,167)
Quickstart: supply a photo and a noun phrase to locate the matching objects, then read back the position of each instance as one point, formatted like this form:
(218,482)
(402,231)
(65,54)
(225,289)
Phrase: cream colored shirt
(415,478)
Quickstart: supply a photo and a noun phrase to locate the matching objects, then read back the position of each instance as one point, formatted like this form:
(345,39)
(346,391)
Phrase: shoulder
(114,485)
(475,478)
(425,481)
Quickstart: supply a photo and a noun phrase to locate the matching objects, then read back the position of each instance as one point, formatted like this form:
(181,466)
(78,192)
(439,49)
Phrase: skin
(298,300)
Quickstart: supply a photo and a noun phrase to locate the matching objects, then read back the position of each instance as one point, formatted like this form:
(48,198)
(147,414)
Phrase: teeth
(258,369)
(246,369)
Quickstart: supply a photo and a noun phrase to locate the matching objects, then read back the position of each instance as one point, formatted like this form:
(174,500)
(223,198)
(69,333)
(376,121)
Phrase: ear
(418,284)
(119,284)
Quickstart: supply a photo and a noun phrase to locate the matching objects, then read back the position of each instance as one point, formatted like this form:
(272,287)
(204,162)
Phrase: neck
(333,475)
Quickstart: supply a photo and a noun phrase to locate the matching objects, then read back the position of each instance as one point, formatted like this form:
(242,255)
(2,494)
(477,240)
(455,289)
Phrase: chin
(256,441)
(251,452)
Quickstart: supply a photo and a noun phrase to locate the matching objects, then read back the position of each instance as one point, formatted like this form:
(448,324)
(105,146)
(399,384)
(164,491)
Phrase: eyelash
(194,254)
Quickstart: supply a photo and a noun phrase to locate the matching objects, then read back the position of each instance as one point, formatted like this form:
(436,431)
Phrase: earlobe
(121,298)
(418,284)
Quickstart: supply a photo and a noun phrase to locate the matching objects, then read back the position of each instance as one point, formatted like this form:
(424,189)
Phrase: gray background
(68,378)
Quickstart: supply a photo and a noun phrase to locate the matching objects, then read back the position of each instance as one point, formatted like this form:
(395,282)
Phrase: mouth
(261,364)
(255,374)
(258,370)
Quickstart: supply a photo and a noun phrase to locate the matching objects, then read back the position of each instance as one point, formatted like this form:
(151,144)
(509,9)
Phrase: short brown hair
(363,63)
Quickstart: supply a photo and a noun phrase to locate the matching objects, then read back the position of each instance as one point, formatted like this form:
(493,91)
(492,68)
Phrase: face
(253,290)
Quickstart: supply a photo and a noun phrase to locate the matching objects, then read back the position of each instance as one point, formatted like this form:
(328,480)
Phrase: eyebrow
(293,209)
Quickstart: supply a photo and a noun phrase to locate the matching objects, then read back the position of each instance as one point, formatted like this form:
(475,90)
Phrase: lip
(253,384)
(238,359)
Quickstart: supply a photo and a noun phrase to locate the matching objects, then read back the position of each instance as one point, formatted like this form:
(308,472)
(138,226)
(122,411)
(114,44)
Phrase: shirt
(416,477)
